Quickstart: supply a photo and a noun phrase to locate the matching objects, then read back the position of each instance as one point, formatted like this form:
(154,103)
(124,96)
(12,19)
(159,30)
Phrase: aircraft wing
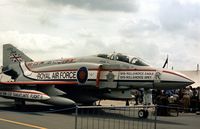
(48,93)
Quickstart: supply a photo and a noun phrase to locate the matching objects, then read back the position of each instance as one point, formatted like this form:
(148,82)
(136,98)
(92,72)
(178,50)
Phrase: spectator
(162,103)
(186,99)
(137,94)
(198,97)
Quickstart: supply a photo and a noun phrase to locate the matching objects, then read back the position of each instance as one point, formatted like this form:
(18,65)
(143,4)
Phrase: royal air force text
(57,75)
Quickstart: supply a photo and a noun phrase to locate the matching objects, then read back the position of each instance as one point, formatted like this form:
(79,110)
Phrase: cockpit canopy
(124,58)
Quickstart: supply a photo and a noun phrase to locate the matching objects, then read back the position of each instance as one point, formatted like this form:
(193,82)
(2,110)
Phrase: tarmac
(41,116)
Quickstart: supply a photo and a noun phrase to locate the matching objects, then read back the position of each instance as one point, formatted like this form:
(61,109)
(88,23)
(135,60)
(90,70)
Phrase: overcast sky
(150,29)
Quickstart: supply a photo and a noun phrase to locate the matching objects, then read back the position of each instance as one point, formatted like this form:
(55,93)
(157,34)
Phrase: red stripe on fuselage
(128,70)
(176,74)
(98,76)
(91,70)
(40,82)
(31,92)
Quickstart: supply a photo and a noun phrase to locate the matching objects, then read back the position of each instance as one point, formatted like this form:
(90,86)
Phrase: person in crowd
(198,101)
(162,102)
(186,99)
(137,94)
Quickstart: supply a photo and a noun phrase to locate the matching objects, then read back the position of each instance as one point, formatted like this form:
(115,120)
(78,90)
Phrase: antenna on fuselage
(166,63)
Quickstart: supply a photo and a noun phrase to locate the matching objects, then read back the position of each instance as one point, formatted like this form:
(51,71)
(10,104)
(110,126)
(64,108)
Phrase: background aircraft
(81,80)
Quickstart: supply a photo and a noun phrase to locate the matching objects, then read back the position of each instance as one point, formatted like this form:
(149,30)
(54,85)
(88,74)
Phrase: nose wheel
(143,113)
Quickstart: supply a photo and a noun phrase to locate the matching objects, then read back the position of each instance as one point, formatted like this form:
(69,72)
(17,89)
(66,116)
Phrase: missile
(59,101)
(25,94)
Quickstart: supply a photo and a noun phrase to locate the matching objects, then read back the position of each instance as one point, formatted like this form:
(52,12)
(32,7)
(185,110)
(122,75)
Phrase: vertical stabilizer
(12,55)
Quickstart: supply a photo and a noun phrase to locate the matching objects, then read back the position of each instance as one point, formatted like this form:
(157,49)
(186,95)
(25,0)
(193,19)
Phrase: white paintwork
(25,94)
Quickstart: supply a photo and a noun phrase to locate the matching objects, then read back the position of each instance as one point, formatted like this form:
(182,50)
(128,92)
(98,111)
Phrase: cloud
(40,46)
(141,27)
(49,29)
(47,20)
(99,5)
(175,16)
(85,33)
(44,47)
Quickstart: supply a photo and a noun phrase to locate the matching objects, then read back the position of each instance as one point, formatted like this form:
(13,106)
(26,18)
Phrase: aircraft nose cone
(187,82)
(173,80)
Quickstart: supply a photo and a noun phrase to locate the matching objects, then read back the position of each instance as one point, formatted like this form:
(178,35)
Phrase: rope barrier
(52,111)
(179,108)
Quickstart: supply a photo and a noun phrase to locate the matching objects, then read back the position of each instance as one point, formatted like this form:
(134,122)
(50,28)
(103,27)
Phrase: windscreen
(124,58)
(137,61)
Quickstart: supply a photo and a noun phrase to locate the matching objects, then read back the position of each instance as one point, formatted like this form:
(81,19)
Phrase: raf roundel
(82,75)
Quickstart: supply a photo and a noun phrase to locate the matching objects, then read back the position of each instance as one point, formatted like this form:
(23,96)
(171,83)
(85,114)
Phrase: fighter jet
(81,80)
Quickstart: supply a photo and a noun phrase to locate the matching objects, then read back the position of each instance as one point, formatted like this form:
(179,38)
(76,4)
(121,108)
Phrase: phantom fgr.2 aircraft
(81,80)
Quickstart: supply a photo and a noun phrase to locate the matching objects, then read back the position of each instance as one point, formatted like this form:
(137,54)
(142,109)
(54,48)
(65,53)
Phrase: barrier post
(76,116)
(155,121)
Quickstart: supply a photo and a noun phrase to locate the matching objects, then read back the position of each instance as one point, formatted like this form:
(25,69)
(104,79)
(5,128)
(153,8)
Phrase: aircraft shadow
(120,115)
(35,109)
(41,109)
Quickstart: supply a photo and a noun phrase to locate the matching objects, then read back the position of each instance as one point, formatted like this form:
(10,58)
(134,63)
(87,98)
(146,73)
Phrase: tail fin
(12,55)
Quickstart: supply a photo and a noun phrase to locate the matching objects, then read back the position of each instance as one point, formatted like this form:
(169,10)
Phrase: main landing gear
(142,113)
(20,104)
(147,100)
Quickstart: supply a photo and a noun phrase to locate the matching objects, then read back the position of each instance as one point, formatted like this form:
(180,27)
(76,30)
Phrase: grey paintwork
(108,77)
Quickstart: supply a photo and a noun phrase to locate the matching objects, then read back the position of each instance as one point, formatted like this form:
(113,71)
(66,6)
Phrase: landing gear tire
(20,104)
(143,113)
